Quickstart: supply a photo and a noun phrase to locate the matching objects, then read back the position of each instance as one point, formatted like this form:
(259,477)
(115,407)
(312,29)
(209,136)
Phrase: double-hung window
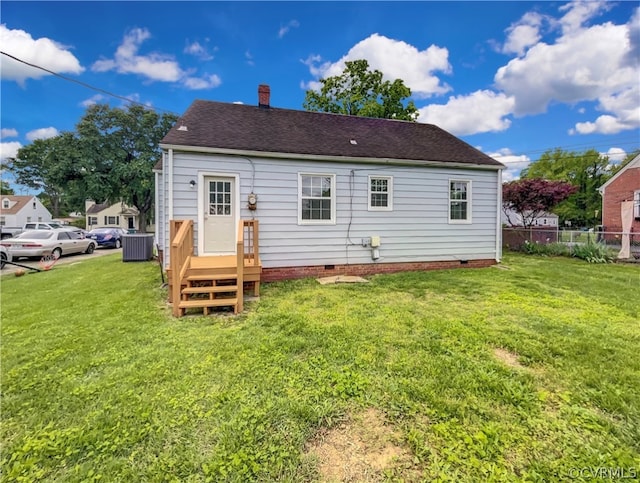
(316,199)
(459,201)
(636,204)
(380,193)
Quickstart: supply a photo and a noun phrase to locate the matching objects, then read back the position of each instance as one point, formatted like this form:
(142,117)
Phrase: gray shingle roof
(272,130)
(97,208)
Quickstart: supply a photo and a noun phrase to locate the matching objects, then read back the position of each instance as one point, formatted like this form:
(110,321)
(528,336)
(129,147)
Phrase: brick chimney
(264,92)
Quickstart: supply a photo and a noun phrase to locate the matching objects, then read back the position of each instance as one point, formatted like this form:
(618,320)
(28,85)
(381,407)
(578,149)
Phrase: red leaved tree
(532,197)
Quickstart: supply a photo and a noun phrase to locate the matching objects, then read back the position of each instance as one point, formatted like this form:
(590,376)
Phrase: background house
(623,186)
(331,192)
(514,219)
(111,215)
(16,210)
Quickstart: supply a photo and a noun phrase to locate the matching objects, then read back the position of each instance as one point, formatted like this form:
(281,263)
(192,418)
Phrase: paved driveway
(98,252)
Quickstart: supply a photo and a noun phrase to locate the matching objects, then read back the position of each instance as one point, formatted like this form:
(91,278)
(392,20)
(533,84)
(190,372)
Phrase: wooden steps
(218,288)
(209,289)
(210,281)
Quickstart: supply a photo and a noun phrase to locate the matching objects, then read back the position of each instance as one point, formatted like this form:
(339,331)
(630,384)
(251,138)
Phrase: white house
(16,210)
(544,220)
(108,215)
(325,187)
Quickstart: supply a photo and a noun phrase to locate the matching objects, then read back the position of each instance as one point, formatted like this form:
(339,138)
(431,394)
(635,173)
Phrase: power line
(88,86)
(632,143)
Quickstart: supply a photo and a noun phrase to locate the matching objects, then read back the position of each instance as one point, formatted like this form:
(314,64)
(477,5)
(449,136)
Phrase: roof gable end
(634,163)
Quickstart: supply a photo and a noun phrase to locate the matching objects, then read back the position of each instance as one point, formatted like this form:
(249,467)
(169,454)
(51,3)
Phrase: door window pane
(220,198)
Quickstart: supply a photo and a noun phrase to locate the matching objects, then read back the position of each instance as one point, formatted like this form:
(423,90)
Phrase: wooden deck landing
(205,282)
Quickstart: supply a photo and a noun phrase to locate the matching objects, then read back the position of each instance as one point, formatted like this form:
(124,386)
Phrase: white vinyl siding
(316,199)
(459,201)
(380,193)
(419,229)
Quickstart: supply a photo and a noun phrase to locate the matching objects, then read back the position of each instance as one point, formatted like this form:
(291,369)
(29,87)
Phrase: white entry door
(220,223)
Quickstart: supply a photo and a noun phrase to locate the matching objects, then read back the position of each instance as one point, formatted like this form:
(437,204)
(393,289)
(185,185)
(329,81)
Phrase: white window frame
(5,204)
(389,193)
(636,204)
(468,220)
(333,199)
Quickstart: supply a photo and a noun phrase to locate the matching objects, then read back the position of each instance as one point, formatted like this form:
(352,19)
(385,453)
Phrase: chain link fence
(514,238)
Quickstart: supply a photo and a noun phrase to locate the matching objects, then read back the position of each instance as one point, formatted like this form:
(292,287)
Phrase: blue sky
(513,79)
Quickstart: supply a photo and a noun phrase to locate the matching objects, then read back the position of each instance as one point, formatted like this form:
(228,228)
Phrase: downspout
(156,211)
(170,187)
(169,205)
(499,218)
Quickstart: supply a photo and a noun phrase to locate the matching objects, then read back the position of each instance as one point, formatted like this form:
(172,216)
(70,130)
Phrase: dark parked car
(107,237)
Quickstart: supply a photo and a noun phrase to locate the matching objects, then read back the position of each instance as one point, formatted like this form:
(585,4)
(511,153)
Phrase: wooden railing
(250,246)
(240,267)
(181,233)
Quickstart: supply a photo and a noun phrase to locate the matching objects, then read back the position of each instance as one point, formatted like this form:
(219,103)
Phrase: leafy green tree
(627,159)
(359,91)
(119,149)
(47,165)
(586,171)
(5,189)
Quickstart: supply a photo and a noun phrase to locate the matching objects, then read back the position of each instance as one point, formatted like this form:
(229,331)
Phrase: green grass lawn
(521,373)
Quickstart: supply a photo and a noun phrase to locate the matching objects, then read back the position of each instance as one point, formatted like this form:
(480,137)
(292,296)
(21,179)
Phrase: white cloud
(249,58)
(154,66)
(579,12)
(634,38)
(199,83)
(8,133)
(396,60)
(42,133)
(481,111)
(625,109)
(604,124)
(584,64)
(514,163)
(615,155)
(317,68)
(9,150)
(43,52)
(285,29)
(523,34)
(198,50)
(98,98)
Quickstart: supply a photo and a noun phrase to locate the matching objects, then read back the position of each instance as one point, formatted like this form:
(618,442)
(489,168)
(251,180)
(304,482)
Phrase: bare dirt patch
(507,357)
(361,449)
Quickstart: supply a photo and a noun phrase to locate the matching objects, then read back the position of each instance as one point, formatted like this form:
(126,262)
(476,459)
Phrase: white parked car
(41,225)
(5,256)
(40,243)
